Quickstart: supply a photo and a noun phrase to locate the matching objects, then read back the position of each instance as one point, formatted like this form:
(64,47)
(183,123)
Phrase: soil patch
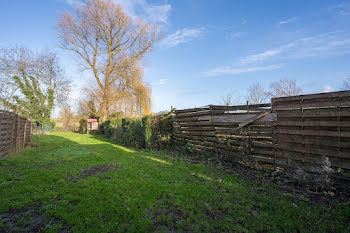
(92,171)
(27,219)
(166,215)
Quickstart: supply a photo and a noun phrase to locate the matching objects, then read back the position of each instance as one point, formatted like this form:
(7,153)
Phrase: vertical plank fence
(15,133)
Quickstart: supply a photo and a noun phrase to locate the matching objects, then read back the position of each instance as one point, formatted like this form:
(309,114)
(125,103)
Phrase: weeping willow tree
(130,95)
(136,96)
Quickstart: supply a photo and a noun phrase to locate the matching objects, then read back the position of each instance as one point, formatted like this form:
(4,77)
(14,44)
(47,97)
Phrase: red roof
(91,120)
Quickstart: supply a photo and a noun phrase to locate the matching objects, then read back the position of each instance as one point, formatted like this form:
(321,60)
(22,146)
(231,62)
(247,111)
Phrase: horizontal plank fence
(236,132)
(312,127)
(300,131)
(15,133)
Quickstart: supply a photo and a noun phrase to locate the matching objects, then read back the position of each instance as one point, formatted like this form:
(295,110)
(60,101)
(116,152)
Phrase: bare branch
(284,87)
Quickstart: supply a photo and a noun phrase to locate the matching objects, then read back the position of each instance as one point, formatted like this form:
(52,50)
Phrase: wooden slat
(312,140)
(191,110)
(311,96)
(190,114)
(241,125)
(314,123)
(321,104)
(313,114)
(314,132)
(239,107)
(239,118)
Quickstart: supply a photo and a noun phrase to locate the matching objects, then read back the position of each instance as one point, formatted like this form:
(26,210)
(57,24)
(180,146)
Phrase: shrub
(82,125)
(148,132)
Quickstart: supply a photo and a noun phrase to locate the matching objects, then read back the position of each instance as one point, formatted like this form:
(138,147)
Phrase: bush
(82,125)
(52,124)
(133,132)
(148,132)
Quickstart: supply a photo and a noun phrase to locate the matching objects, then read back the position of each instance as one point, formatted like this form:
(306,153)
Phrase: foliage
(115,119)
(33,103)
(82,125)
(52,124)
(148,132)
(84,183)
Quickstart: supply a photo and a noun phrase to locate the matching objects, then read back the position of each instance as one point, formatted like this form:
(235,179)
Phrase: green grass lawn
(84,183)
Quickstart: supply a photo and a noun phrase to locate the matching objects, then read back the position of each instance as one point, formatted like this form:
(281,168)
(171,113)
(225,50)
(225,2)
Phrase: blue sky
(210,48)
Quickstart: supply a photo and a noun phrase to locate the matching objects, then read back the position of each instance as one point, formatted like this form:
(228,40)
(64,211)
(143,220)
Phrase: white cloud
(238,70)
(140,8)
(181,36)
(234,35)
(151,12)
(73,2)
(260,56)
(321,45)
(160,82)
(328,88)
(287,21)
(342,8)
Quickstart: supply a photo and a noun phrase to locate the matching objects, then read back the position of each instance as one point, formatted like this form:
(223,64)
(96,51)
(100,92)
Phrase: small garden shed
(92,124)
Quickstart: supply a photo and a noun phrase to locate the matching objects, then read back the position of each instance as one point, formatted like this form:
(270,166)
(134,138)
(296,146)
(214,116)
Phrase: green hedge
(148,132)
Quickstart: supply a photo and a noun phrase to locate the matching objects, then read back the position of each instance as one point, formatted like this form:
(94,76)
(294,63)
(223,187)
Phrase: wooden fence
(15,133)
(301,131)
(235,132)
(312,127)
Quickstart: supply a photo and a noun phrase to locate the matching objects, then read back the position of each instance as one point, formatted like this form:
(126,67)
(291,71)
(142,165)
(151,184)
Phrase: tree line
(257,94)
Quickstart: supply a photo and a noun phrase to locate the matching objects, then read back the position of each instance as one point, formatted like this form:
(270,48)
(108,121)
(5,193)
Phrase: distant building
(92,124)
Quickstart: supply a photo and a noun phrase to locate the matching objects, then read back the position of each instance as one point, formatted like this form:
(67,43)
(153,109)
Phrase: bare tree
(284,87)
(66,117)
(256,94)
(87,109)
(13,62)
(22,63)
(230,99)
(346,85)
(109,43)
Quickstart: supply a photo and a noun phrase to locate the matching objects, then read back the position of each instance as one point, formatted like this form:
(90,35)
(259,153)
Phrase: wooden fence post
(12,134)
(25,134)
(30,132)
(17,133)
